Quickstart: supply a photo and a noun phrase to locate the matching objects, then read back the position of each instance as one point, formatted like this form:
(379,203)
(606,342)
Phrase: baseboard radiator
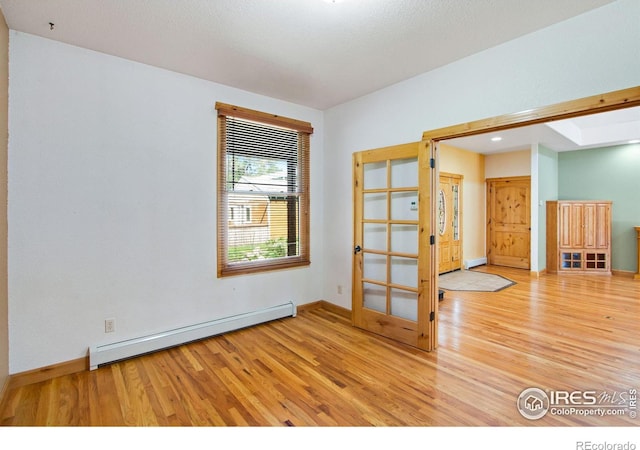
(109,353)
(470,263)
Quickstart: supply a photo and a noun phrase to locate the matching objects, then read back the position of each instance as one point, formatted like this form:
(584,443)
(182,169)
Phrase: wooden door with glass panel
(392,251)
(449,222)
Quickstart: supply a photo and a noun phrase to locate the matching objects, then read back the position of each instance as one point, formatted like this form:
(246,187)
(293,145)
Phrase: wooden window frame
(225,267)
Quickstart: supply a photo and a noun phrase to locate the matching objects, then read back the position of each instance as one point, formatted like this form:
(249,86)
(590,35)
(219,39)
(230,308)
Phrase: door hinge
(432,163)
(432,239)
(432,316)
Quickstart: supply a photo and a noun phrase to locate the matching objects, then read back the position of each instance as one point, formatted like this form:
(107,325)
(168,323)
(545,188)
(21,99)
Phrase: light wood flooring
(554,332)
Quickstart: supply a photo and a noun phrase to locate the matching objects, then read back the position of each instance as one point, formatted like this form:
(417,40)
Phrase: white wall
(4,134)
(594,53)
(509,164)
(112,200)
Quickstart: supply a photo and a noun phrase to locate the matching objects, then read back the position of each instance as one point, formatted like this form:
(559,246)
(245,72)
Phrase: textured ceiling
(310,52)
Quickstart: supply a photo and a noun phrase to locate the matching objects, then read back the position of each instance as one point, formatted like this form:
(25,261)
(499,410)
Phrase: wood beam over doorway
(611,101)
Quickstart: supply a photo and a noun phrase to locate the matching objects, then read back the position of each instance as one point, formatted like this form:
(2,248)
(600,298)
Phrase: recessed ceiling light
(496,138)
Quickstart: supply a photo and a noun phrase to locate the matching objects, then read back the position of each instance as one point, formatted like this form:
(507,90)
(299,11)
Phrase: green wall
(611,173)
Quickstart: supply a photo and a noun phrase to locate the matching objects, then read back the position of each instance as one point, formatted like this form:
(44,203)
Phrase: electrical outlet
(339,289)
(109,325)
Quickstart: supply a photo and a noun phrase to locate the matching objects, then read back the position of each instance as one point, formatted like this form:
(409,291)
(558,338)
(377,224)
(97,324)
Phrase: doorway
(423,331)
(509,222)
(625,98)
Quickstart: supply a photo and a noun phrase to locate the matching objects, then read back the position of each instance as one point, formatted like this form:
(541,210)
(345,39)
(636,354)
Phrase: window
(240,214)
(263,191)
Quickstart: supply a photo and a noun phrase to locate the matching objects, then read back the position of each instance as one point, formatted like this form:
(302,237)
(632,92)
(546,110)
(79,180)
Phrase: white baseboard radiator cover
(109,353)
(469,263)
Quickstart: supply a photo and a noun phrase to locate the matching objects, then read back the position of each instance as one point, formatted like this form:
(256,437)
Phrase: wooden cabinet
(579,236)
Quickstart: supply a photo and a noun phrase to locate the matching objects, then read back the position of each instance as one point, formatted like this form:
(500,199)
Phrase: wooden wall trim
(3,391)
(272,119)
(516,178)
(339,310)
(309,306)
(622,273)
(611,101)
(48,372)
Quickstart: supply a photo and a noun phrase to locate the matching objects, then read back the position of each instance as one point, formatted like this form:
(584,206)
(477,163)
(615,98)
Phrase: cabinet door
(576,225)
(564,214)
(571,225)
(596,225)
(603,223)
(590,225)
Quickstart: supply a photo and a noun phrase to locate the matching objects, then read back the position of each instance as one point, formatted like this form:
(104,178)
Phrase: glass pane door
(390,237)
(394,287)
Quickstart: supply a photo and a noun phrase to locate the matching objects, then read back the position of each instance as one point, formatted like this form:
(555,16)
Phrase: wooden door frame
(611,101)
(625,98)
(488,208)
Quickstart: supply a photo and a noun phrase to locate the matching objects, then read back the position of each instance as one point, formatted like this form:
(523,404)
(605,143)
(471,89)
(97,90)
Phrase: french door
(394,292)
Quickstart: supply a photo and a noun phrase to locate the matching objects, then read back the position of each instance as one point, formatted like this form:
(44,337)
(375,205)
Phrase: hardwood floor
(554,332)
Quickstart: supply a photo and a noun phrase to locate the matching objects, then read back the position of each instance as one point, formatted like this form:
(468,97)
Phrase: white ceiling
(596,130)
(310,52)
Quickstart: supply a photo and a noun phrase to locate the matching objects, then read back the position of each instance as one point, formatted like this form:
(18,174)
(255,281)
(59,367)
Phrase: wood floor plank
(553,332)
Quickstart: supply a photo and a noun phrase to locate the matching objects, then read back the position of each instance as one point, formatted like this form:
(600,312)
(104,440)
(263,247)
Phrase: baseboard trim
(538,274)
(335,309)
(310,306)
(3,391)
(623,273)
(48,372)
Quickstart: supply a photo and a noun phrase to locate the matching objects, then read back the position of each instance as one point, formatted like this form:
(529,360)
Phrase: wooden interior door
(393,248)
(449,211)
(509,222)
